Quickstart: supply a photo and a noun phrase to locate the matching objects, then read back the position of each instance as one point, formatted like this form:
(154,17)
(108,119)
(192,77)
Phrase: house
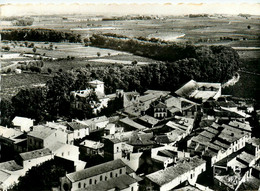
(217,142)
(79,96)
(7,180)
(167,155)
(34,158)
(178,104)
(22,123)
(119,149)
(159,110)
(123,182)
(12,140)
(95,124)
(43,137)
(200,90)
(96,175)
(66,152)
(90,148)
(70,152)
(98,87)
(130,98)
(9,174)
(170,177)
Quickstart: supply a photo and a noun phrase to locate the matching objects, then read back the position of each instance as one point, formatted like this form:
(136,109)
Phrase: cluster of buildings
(192,139)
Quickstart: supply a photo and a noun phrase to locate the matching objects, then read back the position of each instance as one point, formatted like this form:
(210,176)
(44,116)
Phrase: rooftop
(157,92)
(246,157)
(9,132)
(10,166)
(122,182)
(149,119)
(21,120)
(92,144)
(95,120)
(165,176)
(96,82)
(96,170)
(132,123)
(42,133)
(35,154)
(4,176)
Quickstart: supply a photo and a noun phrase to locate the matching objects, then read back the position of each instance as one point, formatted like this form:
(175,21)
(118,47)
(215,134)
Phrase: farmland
(225,30)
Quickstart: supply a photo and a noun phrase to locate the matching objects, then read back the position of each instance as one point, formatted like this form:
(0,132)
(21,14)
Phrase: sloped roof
(122,182)
(187,88)
(42,134)
(92,144)
(96,82)
(9,132)
(10,166)
(132,123)
(95,170)
(165,176)
(35,154)
(21,120)
(149,119)
(4,176)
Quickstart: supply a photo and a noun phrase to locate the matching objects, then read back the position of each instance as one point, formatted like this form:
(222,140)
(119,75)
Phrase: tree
(7,112)
(34,50)
(49,70)
(43,177)
(31,103)
(134,62)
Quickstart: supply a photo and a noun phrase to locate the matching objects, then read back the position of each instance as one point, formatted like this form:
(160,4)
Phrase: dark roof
(95,170)
(162,139)
(76,125)
(10,165)
(141,139)
(131,123)
(35,154)
(122,182)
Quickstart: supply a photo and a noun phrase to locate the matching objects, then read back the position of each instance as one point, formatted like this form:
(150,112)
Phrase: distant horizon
(25,8)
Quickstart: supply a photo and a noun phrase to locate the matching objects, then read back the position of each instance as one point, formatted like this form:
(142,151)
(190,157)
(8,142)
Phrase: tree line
(225,57)
(47,35)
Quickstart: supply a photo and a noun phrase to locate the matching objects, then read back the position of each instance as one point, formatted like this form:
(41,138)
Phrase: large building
(200,90)
(94,177)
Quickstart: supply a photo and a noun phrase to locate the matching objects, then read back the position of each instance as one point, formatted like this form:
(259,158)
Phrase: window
(79,185)
(95,181)
(78,134)
(62,154)
(111,174)
(84,185)
(116,175)
(120,171)
(191,176)
(117,149)
(101,178)
(132,188)
(90,181)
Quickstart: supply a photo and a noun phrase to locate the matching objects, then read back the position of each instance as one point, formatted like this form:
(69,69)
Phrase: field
(12,83)
(202,30)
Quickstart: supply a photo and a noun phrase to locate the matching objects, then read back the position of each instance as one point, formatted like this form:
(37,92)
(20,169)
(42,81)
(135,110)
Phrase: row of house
(158,141)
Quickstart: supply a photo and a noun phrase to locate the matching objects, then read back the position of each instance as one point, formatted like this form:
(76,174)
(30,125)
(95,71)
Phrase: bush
(9,70)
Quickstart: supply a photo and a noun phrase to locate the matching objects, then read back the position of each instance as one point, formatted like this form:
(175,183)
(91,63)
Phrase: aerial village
(158,141)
